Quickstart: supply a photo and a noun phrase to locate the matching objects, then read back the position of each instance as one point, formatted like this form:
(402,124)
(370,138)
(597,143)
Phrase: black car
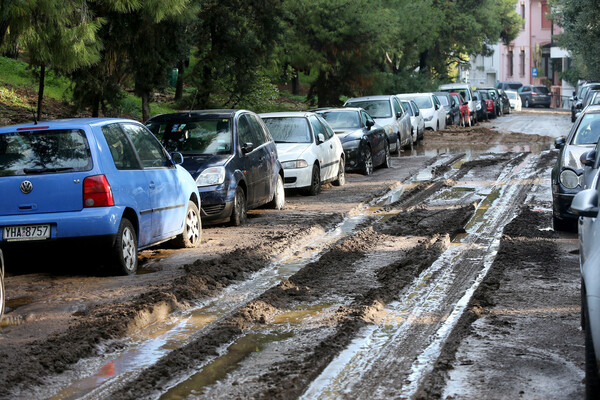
(579,96)
(568,172)
(365,143)
(481,106)
(232,157)
(505,101)
(535,95)
(498,102)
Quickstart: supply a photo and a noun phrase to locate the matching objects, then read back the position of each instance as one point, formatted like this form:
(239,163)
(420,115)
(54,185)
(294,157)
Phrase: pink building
(528,59)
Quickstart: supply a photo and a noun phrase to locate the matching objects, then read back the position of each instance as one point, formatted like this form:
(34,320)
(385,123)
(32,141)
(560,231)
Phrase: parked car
(365,142)
(387,112)
(505,101)
(232,157)
(489,105)
(579,95)
(450,106)
(430,107)
(480,106)
(496,98)
(467,92)
(513,86)
(514,99)
(535,95)
(416,119)
(465,114)
(567,173)
(310,153)
(585,205)
(98,183)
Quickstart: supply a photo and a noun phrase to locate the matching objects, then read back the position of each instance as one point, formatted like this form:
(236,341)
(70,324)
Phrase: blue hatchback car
(105,183)
(232,157)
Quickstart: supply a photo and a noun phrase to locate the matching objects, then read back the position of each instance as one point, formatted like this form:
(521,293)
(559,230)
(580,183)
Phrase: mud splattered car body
(567,173)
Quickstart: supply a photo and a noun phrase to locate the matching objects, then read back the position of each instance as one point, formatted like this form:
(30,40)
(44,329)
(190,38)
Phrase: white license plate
(26,232)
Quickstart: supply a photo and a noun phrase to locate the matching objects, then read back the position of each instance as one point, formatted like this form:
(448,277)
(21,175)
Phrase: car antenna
(193,102)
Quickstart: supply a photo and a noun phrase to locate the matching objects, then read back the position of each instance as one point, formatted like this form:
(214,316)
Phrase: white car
(416,119)
(308,149)
(514,100)
(430,107)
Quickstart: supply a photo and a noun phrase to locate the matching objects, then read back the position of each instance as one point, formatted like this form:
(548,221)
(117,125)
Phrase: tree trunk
(41,91)
(179,85)
(145,106)
(96,106)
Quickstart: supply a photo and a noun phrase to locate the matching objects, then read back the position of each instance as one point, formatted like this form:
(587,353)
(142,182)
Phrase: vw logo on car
(26,187)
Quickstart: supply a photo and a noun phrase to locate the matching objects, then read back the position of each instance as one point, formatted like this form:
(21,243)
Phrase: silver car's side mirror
(588,158)
(585,203)
(559,142)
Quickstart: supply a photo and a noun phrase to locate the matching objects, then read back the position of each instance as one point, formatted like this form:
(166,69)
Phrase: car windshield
(40,152)
(443,100)
(423,102)
(342,119)
(511,95)
(289,129)
(541,89)
(195,136)
(588,130)
(375,108)
(409,109)
(485,95)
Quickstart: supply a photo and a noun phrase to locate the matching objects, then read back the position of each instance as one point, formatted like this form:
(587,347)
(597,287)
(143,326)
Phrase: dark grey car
(451,107)
(535,95)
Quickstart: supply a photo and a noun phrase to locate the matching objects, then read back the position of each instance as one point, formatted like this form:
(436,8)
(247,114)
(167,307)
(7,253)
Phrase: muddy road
(438,278)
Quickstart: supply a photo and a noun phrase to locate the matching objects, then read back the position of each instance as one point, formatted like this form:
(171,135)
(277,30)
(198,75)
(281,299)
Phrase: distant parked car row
(119,186)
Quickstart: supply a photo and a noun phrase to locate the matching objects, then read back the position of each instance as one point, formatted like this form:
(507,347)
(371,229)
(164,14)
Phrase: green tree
(60,35)
(580,20)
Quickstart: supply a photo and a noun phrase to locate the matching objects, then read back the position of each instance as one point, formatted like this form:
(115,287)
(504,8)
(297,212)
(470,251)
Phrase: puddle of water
(221,366)
(18,302)
(297,316)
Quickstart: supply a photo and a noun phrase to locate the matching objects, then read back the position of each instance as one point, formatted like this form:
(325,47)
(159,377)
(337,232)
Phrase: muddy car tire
(526,103)
(315,181)
(341,177)
(368,161)
(124,252)
(192,228)
(387,162)
(278,201)
(239,214)
(398,147)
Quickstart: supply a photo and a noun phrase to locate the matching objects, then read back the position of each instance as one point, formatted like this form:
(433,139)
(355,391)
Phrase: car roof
(217,113)
(415,94)
(376,97)
(286,114)
(67,123)
(355,109)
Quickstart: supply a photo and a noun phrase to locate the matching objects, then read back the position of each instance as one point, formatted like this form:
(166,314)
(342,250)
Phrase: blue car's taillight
(97,192)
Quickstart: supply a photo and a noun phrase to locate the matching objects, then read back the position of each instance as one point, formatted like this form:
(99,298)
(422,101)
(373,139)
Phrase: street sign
(534,72)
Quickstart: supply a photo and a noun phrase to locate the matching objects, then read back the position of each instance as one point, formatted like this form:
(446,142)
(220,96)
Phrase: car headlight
(478,106)
(351,145)
(429,118)
(294,164)
(211,176)
(569,179)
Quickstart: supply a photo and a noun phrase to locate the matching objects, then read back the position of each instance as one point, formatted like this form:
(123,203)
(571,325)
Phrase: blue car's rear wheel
(125,250)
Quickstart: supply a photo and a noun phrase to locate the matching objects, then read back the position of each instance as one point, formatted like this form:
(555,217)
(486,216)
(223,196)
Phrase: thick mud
(281,340)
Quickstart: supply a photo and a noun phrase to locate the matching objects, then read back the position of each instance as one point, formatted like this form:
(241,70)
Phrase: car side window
(258,133)
(149,150)
(245,131)
(397,107)
(317,127)
(328,131)
(122,153)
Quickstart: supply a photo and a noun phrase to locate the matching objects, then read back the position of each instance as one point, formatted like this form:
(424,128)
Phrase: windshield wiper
(45,170)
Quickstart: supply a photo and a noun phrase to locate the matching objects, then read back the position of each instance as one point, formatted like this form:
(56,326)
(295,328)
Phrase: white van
(467,92)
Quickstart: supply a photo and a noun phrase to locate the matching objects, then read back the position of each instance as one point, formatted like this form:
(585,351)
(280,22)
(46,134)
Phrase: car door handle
(152,185)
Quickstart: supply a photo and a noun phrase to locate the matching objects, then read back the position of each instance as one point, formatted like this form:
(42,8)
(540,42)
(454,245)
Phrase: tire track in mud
(337,285)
